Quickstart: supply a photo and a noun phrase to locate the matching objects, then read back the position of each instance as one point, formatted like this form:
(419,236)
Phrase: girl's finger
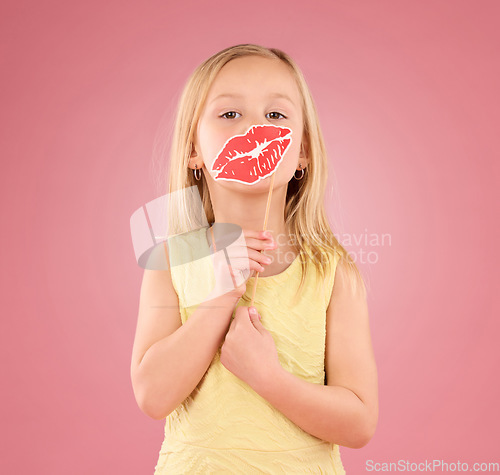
(259,257)
(244,265)
(256,259)
(258,236)
(261,244)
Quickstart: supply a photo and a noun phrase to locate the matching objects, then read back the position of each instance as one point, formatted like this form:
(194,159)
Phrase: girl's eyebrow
(275,94)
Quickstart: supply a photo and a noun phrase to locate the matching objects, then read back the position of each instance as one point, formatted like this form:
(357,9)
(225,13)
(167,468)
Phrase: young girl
(281,390)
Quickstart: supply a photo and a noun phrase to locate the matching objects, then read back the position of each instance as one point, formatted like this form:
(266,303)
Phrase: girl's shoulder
(322,260)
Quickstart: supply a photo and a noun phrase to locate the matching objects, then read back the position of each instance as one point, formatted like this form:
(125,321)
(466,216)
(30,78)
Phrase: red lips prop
(253,156)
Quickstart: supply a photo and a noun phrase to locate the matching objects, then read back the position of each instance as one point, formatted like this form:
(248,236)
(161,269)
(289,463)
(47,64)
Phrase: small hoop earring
(301,176)
(197,177)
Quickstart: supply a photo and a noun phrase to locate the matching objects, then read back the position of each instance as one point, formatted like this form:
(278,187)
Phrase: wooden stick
(265,225)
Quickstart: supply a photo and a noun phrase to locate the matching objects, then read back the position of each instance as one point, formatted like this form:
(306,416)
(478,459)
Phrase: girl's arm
(345,411)
(168,358)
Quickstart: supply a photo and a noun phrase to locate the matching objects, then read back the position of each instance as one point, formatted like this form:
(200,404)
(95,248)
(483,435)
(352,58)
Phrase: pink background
(407,94)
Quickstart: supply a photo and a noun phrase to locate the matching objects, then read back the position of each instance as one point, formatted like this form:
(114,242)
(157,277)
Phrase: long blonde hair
(305,215)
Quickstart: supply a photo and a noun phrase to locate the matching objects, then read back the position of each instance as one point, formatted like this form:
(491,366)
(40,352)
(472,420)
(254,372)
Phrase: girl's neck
(248,210)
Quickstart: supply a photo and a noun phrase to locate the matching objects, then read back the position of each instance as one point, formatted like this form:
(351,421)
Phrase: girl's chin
(262,186)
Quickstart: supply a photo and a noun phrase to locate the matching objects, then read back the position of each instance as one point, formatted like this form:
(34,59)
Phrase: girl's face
(249,91)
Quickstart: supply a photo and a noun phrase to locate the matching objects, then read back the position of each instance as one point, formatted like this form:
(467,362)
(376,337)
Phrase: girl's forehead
(254,75)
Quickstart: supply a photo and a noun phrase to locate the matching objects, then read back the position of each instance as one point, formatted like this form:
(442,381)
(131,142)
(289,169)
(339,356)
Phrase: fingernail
(268,234)
(253,310)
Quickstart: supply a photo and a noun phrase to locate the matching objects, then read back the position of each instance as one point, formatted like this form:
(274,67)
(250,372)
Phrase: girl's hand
(251,260)
(249,351)
(245,261)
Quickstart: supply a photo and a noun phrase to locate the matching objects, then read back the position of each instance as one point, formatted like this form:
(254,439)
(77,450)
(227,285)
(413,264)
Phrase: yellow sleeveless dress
(224,426)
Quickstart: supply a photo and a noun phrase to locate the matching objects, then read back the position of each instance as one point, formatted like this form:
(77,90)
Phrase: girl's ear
(194,158)
(303,153)
(193,153)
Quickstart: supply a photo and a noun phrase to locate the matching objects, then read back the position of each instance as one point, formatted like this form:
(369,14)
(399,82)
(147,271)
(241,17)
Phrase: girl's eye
(276,114)
(230,113)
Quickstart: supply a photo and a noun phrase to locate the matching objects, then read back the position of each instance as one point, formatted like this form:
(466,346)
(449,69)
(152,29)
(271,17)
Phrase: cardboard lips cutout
(253,156)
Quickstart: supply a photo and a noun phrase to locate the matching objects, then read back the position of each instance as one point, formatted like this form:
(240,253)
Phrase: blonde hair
(305,215)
